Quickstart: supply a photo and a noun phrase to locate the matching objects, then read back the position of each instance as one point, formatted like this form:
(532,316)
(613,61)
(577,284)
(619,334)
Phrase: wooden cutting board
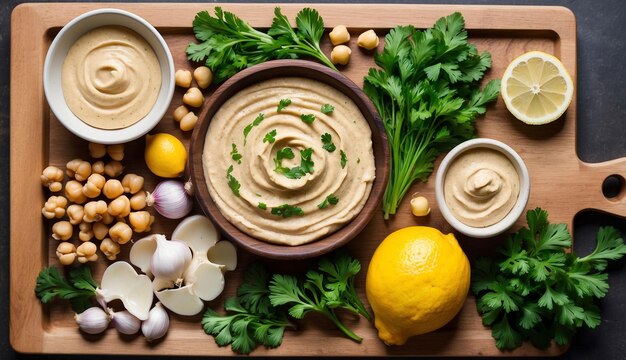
(560,182)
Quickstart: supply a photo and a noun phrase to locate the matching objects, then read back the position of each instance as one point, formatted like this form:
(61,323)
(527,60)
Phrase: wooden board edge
(596,173)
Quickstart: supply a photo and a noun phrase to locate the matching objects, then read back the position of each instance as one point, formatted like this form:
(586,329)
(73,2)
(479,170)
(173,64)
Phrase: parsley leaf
(327,108)
(270,137)
(282,104)
(249,127)
(330,199)
(344,159)
(262,206)
(287,210)
(79,290)
(535,291)
(235,155)
(307,118)
(232,182)
(306,163)
(327,140)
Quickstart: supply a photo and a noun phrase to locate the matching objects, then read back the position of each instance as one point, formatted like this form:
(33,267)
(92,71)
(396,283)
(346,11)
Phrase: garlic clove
(141,253)
(197,232)
(125,322)
(157,324)
(120,281)
(93,320)
(209,281)
(181,300)
(170,259)
(224,253)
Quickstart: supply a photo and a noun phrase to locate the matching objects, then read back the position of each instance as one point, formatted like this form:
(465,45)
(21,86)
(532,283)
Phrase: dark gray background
(601,27)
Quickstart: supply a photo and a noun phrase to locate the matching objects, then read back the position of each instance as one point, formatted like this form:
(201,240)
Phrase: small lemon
(417,281)
(165,155)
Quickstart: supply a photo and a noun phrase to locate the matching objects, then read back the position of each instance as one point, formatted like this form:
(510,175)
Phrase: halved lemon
(536,88)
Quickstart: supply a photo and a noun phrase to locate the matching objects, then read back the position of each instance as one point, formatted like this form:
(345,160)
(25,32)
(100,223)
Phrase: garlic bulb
(124,322)
(171,198)
(170,259)
(93,320)
(157,324)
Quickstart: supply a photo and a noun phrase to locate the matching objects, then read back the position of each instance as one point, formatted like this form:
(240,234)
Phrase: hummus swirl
(261,187)
(481,187)
(111,77)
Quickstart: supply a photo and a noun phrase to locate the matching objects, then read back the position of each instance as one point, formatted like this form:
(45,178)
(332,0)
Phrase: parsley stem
(333,317)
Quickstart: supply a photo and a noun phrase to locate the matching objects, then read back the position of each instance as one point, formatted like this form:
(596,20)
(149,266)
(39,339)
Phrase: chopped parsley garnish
(306,164)
(232,182)
(330,200)
(235,155)
(327,108)
(254,123)
(308,118)
(262,206)
(270,137)
(344,159)
(287,210)
(327,140)
(282,104)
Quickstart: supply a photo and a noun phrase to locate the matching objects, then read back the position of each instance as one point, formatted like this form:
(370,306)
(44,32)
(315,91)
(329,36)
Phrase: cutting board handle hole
(613,187)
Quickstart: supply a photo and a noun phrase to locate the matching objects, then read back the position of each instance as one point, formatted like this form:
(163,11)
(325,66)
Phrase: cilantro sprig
(270,137)
(344,158)
(307,118)
(79,290)
(227,44)
(327,141)
(296,172)
(256,122)
(327,109)
(329,200)
(235,155)
(282,104)
(233,183)
(287,210)
(535,291)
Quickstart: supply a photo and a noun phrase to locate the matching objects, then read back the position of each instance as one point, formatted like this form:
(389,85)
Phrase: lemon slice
(536,88)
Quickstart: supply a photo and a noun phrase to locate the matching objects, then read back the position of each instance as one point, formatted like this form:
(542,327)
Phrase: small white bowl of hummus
(108,76)
(482,187)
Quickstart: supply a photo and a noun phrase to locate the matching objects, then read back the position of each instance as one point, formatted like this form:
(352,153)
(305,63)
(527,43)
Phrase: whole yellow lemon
(417,281)
(165,155)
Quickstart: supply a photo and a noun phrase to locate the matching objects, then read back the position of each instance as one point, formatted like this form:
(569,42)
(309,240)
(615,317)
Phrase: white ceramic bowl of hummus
(120,86)
(482,187)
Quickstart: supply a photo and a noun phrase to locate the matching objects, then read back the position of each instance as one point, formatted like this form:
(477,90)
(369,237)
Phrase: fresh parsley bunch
(228,44)
(427,91)
(535,291)
(79,290)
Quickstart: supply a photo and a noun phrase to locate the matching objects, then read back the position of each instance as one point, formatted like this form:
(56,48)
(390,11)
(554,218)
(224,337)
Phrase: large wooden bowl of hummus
(290,159)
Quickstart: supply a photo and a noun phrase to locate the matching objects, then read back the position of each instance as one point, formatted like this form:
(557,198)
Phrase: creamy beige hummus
(481,186)
(260,183)
(111,77)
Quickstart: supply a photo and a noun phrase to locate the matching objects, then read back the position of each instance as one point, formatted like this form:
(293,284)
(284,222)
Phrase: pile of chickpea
(340,54)
(87,192)
(193,97)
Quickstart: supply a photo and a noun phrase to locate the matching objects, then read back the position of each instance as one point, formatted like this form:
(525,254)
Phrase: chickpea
(66,252)
(119,207)
(203,76)
(74,192)
(340,55)
(97,150)
(193,97)
(97,167)
(120,233)
(110,248)
(78,169)
(183,78)
(419,206)
(138,201)
(141,221)
(94,185)
(113,169)
(87,252)
(75,212)
(339,35)
(51,178)
(86,231)
(62,230)
(180,112)
(100,230)
(113,188)
(94,211)
(132,183)
(368,40)
(116,152)
(54,207)
(107,218)
(188,122)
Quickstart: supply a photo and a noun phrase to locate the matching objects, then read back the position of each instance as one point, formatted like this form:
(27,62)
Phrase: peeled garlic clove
(120,281)
(125,322)
(157,324)
(170,259)
(93,320)
(224,253)
(197,232)
(209,281)
(181,300)
(141,253)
